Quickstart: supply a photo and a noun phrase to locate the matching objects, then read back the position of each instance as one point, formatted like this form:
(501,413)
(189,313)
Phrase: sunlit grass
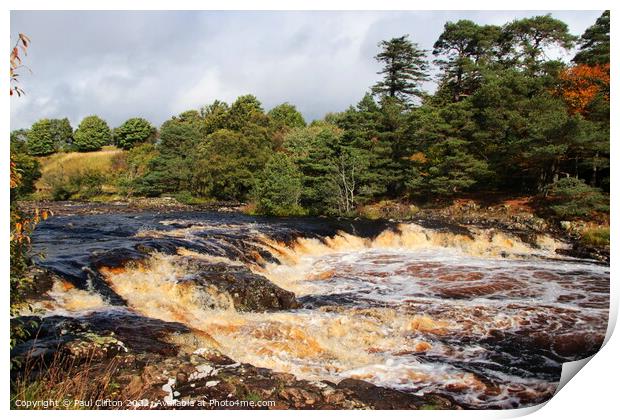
(65,164)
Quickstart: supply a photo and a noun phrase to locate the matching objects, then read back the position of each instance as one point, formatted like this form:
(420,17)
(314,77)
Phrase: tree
(526,39)
(581,85)
(41,139)
(594,44)
(462,48)
(373,130)
(572,198)
(443,162)
(278,187)
(62,132)
(313,149)
(173,169)
(404,69)
(92,134)
(229,160)
(137,162)
(48,136)
(132,132)
(215,116)
(286,116)
(246,110)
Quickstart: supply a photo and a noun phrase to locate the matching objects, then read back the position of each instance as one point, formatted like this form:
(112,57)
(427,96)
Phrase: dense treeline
(505,117)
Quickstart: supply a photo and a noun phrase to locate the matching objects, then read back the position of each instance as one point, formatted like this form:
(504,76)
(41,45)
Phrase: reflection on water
(482,317)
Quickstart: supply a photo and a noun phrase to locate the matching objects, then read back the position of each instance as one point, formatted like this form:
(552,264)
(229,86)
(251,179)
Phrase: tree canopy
(92,134)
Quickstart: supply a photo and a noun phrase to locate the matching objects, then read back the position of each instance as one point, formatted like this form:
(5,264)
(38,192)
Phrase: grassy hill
(61,167)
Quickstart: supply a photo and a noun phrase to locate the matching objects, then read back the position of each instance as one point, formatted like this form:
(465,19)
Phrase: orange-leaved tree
(582,84)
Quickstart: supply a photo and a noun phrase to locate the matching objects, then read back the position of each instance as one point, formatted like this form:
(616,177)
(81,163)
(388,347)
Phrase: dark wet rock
(99,335)
(248,291)
(117,258)
(42,282)
(388,399)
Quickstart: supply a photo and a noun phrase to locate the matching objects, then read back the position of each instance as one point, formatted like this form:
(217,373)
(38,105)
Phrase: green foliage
(228,161)
(594,44)
(173,168)
(62,133)
(286,116)
(136,164)
(498,121)
(524,41)
(462,49)
(186,197)
(404,69)
(278,186)
(20,280)
(597,236)
(571,198)
(215,116)
(245,111)
(29,170)
(132,132)
(41,140)
(313,151)
(92,134)
(82,185)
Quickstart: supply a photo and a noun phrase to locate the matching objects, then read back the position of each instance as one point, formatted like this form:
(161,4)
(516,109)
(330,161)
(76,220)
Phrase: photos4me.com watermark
(142,404)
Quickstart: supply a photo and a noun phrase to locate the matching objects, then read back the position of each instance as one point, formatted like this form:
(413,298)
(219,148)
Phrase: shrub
(571,198)
(84,184)
(387,209)
(597,236)
(186,197)
(29,171)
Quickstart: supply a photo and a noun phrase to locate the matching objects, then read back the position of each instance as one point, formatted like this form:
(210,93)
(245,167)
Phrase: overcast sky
(155,64)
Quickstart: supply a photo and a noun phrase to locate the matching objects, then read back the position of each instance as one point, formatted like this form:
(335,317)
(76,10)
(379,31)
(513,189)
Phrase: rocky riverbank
(138,362)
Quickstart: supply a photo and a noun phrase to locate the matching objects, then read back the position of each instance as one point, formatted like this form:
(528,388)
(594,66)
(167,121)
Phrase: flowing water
(477,315)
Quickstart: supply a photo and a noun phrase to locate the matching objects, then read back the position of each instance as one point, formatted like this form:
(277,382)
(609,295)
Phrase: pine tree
(404,70)
(594,43)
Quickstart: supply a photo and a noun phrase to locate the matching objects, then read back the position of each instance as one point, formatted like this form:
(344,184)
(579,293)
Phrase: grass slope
(63,164)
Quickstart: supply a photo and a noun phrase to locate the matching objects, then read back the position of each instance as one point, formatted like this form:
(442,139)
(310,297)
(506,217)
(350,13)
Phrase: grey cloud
(158,63)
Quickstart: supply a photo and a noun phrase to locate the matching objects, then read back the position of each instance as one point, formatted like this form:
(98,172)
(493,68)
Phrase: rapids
(474,314)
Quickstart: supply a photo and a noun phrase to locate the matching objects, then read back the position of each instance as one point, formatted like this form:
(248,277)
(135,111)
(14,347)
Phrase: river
(474,314)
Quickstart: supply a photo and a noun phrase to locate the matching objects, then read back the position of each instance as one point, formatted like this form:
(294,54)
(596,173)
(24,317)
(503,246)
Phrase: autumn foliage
(16,62)
(580,85)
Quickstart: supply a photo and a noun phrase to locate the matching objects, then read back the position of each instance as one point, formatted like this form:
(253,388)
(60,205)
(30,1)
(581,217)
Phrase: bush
(29,172)
(185,197)
(387,209)
(597,236)
(84,184)
(571,198)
